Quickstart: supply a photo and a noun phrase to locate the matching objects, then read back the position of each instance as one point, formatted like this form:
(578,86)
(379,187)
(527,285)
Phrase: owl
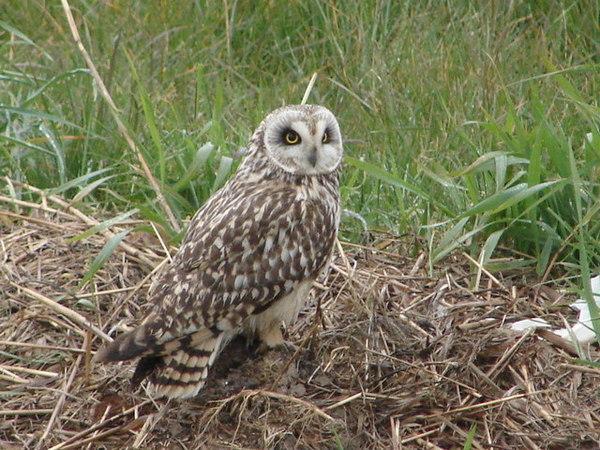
(249,257)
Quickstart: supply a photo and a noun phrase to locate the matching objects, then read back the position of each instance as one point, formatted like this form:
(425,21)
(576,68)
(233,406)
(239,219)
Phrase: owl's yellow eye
(291,137)
(325,138)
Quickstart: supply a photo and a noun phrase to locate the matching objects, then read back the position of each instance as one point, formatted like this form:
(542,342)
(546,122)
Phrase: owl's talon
(283,345)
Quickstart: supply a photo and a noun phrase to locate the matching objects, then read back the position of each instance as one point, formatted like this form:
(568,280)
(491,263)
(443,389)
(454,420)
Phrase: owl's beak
(312,158)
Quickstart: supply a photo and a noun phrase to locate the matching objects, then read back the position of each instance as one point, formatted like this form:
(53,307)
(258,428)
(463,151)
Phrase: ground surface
(391,357)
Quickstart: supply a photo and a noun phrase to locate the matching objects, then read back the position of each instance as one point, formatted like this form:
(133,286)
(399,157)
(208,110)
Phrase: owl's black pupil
(291,137)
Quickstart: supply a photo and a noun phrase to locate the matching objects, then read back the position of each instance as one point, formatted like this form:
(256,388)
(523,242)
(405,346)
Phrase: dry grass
(392,358)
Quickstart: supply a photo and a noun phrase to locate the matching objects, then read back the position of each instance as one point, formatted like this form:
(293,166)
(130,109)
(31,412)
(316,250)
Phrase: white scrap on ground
(582,331)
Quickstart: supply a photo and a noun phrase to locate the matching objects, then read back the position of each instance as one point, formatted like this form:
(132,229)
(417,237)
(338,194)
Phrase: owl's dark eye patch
(328,136)
(290,137)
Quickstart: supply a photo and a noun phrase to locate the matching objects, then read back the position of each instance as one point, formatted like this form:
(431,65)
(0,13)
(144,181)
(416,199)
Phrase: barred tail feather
(176,368)
(182,373)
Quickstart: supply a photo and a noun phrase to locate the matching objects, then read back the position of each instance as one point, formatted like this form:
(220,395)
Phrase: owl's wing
(242,253)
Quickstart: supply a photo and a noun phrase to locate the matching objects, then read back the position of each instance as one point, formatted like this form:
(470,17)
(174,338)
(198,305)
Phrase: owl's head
(303,139)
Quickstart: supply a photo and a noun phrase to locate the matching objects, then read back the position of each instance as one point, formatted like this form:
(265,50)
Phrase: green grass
(472,123)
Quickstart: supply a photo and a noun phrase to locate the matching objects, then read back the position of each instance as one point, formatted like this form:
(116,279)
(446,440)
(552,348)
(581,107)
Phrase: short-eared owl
(249,257)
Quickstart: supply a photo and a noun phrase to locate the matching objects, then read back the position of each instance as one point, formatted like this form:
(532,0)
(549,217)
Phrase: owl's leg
(267,324)
(272,338)
(262,335)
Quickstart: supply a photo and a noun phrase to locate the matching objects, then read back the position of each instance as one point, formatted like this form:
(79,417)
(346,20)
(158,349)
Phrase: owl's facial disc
(304,140)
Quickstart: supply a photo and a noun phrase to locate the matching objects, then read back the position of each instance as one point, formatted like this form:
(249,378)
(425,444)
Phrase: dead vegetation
(392,358)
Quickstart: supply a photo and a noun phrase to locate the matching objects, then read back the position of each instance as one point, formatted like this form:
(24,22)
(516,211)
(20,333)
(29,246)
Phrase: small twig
(425,444)
(530,444)
(276,395)
(105,292)
(76,437)
(491,373)
(87,220)
(32,205)
(311,83)
(32,220)
(61,400)
(12,377)
(24,412)
(527,385)
(57,307)
(487,322)
(418,436)
(102,419)
(136,288)
(149,424)
(162,242)
(115,113)
(95,437)
(227,28)
(343,402)
(41,346)
(557,341)
(87,356)
(584,369)
(143,434)
(495,402)
(419,263)
(477,371)
(41,373)
(353,94)
(484,270)
(472,390)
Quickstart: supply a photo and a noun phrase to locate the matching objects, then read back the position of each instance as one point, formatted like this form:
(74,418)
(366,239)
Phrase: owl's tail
(182,372)
(177,368)
(138,342)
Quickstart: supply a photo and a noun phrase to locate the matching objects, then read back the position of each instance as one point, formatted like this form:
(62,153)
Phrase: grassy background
(471,123)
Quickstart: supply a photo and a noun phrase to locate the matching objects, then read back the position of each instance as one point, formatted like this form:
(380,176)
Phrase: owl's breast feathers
(250,245)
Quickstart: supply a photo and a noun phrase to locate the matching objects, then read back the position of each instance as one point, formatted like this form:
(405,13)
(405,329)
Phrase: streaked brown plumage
(249,257)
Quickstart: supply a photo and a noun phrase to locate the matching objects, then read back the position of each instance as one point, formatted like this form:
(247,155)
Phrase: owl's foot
(284,345)
(273,339)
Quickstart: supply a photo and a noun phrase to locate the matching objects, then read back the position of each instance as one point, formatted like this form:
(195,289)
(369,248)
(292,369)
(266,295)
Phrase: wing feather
(242,252)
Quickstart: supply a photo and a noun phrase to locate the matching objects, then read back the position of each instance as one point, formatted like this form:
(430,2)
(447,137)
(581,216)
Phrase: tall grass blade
(381,174)
(88,189)
(8,27)
(222,172)
(150,120)
(39,115)
(102,226)
(505,199)
(470,437)
(78,182)
(102,257)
